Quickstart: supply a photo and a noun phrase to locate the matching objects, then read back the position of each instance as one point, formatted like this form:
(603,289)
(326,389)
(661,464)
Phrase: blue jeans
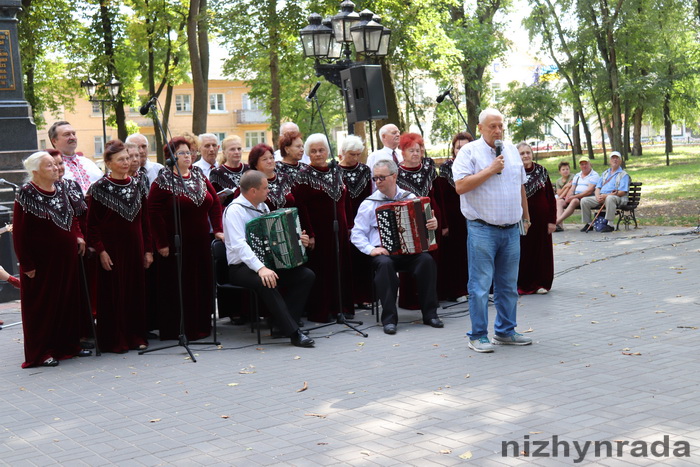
(494,258)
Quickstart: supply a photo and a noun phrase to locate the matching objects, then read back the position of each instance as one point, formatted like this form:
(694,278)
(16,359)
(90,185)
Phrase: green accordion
(275,238)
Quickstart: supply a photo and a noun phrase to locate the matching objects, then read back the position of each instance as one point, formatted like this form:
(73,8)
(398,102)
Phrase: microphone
(5,182)
(499,148)
(145,108)
(442,96)
(312,94)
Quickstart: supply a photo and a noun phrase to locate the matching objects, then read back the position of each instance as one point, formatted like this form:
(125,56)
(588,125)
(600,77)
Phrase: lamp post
(113,87)
(327,40)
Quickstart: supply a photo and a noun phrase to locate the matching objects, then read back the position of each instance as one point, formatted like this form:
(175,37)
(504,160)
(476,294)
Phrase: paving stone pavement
(614,359)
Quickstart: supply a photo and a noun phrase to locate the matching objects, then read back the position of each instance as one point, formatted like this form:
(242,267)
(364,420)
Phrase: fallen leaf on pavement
(631,353)
(304,388)
(466,455)
(315,415)
(154,420)
(446,451)
(224,416)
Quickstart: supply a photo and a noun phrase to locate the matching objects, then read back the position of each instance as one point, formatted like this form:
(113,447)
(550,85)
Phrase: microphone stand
(449,94)
(340,318)
(182,340)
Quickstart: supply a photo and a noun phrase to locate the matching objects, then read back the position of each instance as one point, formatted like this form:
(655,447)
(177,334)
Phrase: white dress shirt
(152,170)
(305,158)
(583,182)
(205,166)
(365,234)
(236,215)
(497,200)
(90,172)
(383,154)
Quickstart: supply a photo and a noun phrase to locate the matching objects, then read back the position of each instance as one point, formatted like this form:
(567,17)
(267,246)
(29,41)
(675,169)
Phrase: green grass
(670,194)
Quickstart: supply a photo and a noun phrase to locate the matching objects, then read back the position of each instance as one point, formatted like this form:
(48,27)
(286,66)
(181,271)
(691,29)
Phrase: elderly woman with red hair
(262,158)
(417,174)
(291,145)
(198,206)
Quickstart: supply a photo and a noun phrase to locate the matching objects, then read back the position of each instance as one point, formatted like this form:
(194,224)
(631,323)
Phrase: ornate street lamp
(367,34)
(113,87)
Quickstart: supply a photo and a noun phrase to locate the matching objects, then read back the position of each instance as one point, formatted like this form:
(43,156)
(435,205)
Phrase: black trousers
(287,310)
(386,282)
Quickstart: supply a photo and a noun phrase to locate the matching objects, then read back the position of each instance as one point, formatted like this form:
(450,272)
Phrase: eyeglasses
(381,178)
(183,153)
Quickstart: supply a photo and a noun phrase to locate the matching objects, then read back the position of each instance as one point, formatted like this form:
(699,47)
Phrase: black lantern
(384,41)
(316,38)
(367,34)
(113,87)
(335,48)
(90,87)
(344,21)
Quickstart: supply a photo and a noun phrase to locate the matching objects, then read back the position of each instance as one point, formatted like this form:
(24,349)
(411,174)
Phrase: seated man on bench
(611,191)
(582,185)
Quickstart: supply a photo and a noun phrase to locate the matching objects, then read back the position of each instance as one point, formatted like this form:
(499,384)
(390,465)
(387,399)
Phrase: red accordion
(402,227)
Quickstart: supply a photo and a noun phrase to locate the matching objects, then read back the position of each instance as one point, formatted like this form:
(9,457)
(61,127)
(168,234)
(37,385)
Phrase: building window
(183,103)
(151,143)
(496,89)
(221,136)
(96,108)
(248,103)
(216,103)
(42,144)
(254,137)
(99,146)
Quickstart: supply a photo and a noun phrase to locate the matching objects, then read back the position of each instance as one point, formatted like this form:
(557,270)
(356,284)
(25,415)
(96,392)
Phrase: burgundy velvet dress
(45,238)
(452,265)
(118,224)
(536,253)
(314,191)
(224,176)
(288,170)
(357,181)
(199,205)
(420,181)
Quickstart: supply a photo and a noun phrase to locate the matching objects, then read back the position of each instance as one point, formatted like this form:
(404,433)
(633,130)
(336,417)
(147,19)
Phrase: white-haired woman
(317,188)
(357,177)
(47,241)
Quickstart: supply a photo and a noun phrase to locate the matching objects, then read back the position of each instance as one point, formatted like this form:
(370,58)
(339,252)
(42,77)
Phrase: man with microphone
(489,178)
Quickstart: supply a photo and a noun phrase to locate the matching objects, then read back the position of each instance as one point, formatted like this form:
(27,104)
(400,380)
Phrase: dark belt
(505,226)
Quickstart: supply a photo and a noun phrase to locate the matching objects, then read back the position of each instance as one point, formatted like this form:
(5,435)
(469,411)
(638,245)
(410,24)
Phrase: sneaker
(586,227)
(515,339)
(481,345)
(608,229)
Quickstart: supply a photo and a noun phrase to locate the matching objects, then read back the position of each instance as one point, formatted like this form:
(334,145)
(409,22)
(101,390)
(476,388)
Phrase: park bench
(625,212)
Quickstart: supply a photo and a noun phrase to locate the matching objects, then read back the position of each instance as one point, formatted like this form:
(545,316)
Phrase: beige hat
(584,159)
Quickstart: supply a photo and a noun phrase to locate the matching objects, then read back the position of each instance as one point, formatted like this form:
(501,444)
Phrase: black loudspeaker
(363,90)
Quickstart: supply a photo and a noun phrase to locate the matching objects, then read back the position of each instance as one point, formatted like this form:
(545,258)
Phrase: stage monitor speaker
(363,90)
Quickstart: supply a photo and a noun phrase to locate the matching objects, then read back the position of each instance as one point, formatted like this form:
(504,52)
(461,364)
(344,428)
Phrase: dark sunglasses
(381,178)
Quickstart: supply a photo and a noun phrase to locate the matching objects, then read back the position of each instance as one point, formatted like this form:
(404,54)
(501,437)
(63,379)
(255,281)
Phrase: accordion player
(275,238)
(402,228)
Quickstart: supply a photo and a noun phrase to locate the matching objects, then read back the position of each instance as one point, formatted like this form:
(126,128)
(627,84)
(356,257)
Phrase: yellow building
(231,112)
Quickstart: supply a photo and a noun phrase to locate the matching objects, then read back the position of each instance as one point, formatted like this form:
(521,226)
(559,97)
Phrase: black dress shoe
(86,345)
(608,229)
(434,322)
(50,362)
(586,228)
(300,339)
(277,334)
(85,353)
(389,329)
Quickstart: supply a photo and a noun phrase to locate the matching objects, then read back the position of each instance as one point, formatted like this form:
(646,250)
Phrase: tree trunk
(392,103)
(576,135)
(668,123)
(198,47)
(637,146)
(587,134)
(626,132)
(108,38)
(275,86)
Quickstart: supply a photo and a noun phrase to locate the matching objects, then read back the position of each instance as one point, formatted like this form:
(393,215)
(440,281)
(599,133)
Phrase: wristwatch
(527,221)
